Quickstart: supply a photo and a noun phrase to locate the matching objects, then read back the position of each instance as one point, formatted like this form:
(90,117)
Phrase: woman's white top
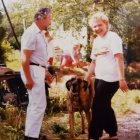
(103,51)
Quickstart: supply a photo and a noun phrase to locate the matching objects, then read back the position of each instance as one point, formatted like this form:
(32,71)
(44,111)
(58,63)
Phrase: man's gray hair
(41,13)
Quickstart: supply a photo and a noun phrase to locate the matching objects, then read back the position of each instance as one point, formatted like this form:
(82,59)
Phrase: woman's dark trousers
(103,116)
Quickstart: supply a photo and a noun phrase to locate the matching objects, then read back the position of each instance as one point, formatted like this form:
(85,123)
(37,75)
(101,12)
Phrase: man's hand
(49,77)
(29,84)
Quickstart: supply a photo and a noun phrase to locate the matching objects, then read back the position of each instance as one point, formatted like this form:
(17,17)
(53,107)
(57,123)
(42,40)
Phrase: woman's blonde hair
(98,15)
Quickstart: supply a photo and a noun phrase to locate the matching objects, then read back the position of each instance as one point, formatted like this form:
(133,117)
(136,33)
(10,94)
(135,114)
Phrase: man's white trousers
(37,102)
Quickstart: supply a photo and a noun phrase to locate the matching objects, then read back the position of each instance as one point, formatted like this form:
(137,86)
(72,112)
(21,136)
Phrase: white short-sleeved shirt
(33,39)
(103,51)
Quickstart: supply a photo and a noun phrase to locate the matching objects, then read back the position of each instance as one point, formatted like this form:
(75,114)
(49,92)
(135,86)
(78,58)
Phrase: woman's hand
(123,85)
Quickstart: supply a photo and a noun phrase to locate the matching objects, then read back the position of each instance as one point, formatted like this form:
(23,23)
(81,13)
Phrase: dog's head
(75,84)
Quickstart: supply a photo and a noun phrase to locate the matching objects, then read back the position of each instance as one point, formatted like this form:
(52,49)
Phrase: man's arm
(120,66)
(25,65)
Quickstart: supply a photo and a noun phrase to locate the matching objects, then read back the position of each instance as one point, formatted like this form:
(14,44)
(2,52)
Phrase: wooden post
(10,23)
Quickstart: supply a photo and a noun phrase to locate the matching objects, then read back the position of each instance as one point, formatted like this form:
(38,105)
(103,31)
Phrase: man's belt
(31,63)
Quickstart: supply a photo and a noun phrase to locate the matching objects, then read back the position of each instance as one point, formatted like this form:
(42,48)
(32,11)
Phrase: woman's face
(100,27)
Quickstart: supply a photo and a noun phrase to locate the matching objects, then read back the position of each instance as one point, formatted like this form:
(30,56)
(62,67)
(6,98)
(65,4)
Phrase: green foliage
(14,60)
(5,47)
(60,130)
(125,103)
(12,127)
(1,16)
(124,17)
(2,115)
(19,11)
(72,14)
(137,99)
(88,52)
(132,75)
(57,128)
(56,105)
(5,51)
(13,42)
(2,35)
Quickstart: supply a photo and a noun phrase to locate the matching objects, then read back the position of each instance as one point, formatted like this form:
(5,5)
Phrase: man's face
(46,21)
(100,27)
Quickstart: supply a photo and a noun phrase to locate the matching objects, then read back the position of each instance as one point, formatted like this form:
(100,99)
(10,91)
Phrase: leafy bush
(12,125)
(137,99)
(56,105)
(60,130)
(125,103)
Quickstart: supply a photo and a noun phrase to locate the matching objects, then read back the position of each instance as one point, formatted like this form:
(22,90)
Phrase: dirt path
(129,127)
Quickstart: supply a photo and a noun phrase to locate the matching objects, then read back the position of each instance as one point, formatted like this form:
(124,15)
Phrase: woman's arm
(120,66)
(91,70)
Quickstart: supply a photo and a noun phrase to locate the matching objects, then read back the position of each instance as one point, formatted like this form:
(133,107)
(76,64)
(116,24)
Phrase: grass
(12,126)
(123,104)
(57,121)
(15,62)
(12,123)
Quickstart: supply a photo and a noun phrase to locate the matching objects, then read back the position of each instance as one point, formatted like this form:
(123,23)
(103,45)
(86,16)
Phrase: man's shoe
(113,138)
(42,137)
(29,138)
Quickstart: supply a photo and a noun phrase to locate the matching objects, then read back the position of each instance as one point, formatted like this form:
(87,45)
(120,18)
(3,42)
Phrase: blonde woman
(108,66)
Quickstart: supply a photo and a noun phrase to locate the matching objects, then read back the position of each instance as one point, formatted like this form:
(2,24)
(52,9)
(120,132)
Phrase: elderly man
(34,60)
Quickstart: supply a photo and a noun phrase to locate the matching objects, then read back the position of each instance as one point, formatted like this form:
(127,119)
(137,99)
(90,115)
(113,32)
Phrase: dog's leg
(71,115)
(82,122)
(88,116)
(71,122)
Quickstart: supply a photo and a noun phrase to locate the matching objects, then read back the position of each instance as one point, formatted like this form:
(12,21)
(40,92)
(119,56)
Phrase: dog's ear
(85,84)
(69,84)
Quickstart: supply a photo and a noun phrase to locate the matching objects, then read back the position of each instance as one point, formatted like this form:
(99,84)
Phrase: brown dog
(79,98)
